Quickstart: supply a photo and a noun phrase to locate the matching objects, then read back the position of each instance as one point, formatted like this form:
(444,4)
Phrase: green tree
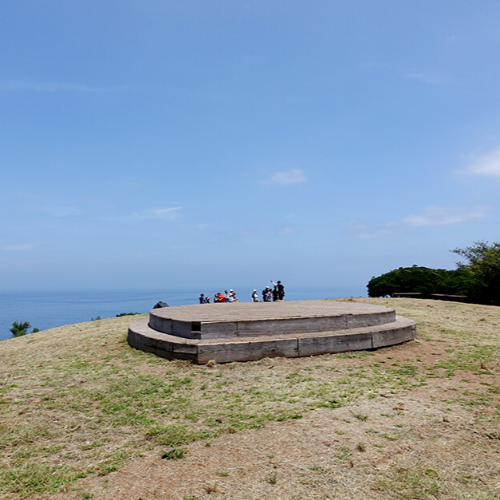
(20,328)
(424,280)
(483,262)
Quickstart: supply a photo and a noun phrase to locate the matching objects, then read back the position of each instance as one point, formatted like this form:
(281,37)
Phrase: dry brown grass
(84,416)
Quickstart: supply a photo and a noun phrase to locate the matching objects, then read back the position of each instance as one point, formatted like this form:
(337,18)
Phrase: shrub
(20,328)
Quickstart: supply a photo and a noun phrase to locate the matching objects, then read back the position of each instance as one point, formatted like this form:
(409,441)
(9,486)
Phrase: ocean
(44,310)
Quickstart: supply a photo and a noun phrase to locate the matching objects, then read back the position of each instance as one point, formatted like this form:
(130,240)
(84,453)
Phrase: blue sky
(201,142)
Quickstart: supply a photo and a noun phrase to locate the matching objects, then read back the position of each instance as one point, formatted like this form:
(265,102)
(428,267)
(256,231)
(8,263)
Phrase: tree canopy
(423,280)
(483,262)
(478,278)
(20,328)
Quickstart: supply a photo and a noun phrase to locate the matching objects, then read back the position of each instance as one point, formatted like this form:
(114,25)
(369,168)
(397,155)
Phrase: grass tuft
(272,478)
(175,454)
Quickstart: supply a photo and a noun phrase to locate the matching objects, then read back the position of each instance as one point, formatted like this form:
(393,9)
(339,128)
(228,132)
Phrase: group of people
(268,295)
(220,297)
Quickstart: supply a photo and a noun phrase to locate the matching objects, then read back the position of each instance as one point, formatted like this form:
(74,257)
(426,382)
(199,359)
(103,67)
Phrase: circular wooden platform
(249,331)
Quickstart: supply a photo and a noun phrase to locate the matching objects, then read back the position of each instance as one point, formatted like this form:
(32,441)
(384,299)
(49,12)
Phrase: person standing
(275,293)
(255,296)
(281,289)
(264,294)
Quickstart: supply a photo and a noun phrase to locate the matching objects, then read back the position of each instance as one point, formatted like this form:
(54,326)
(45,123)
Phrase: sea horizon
(51,309)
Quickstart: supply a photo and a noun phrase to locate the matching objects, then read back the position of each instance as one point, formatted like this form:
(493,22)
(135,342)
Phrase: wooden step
(247,319)
(276,343)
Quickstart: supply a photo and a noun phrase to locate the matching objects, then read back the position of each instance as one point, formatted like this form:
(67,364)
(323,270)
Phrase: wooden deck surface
(247,311)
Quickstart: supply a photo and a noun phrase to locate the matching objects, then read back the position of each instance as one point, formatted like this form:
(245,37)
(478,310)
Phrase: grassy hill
(80,412)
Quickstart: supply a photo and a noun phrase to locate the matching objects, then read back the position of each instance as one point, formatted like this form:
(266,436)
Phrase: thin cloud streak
(21,248)
(486,165)
(64,211)
(294,176)
(429,78)
(366,231)
(159,213)
(286,231)
(55,87)
(430,216)
(444,216)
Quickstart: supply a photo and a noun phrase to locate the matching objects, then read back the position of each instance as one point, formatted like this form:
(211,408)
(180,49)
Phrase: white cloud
(54,87)
(182,247)
(367,231)
(444,216)
(152,213)
(161,213)
(488,164)
(430,78)
(286,231)
(424,76)
(430,216)
(294,176)
(374,64)
(21,248)
(64,211)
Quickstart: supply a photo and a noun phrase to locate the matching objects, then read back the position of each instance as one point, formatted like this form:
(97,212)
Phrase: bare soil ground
(418,420)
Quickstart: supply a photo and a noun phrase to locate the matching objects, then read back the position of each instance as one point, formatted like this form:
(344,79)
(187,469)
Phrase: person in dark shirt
(281,289)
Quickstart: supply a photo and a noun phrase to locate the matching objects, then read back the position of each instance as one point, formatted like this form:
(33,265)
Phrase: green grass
(272,478)
(360,416)
(175,454)
(344,453)
(318,468)
(412,483)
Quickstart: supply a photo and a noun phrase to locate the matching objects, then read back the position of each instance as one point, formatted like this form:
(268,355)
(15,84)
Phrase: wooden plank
(291,326)
(219,329)
(393,336)
(138,340)
(183,329)
(371,319)
(311,346)
(161,324)
(247,351)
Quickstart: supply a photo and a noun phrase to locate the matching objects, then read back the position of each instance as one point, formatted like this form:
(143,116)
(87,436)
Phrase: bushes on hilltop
(478,279)
(423,280)
(20,328)
(483,262)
